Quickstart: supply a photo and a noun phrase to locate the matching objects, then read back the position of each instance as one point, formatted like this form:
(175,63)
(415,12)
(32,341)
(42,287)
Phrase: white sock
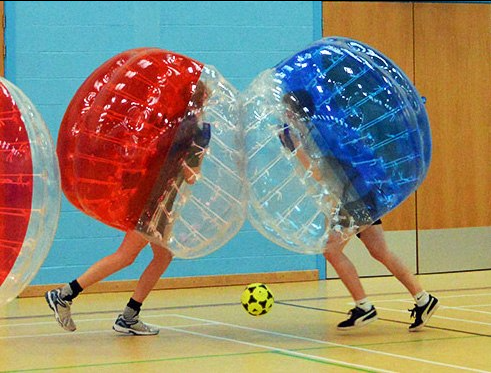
(422,298)
(364,304)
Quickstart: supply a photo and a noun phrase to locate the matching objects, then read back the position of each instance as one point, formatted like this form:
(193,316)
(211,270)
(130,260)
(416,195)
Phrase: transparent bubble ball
(336,137)
(132,134)
(30,191)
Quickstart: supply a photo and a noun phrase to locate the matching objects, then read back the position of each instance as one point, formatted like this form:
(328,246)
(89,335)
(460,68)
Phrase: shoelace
(136,321)
(131,322)
(142,325)
(413,311)
(351,312)
(64,303)
(145,326)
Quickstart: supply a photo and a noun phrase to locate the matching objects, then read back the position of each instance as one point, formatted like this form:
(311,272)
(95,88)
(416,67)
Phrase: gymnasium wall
(51,47)
(444,48)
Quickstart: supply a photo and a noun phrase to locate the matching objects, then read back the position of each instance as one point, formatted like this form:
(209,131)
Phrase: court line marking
(436,316)
(336,344)
(381,308)
(408,300)
(281,350)
(81,321)
(202,323)
(234,303)
(402,311)
(466,309)
(475,305)
(206,322)
(462,308)
(477,334)
(151,361)
(464,295)
(86,332)
(64,334)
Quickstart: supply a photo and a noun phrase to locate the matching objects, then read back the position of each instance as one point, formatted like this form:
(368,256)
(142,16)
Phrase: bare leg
(374,240)
(127,252)
(343,266)
(161,260)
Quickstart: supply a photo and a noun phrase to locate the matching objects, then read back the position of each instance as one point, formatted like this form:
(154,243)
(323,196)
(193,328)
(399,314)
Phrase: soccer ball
(257,299)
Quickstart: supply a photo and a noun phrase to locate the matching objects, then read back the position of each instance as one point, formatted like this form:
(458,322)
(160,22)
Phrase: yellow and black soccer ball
(257,299)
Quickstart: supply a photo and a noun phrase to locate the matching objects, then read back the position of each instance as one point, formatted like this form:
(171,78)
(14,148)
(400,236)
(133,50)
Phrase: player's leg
(60,299)
(128,322)
(364,312)
(426,304)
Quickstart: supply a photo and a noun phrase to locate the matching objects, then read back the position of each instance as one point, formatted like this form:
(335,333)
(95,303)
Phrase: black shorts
(376,222)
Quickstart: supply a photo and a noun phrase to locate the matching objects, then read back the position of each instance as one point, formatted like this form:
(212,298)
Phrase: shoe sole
(127,331)
(361,324)
(52,305)
(419,327)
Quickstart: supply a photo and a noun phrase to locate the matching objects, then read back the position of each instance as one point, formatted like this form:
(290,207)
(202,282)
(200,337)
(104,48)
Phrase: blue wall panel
(53,46)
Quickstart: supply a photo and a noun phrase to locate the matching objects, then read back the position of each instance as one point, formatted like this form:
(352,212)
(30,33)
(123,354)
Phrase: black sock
(132,309)
(71,290)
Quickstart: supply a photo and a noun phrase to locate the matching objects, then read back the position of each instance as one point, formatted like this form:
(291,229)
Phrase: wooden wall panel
(388,27)
(453,69)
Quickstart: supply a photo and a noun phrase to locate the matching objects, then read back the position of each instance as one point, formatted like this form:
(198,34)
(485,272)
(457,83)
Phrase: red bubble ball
(118,129)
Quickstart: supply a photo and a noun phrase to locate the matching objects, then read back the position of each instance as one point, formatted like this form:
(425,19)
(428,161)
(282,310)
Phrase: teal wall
(53,46)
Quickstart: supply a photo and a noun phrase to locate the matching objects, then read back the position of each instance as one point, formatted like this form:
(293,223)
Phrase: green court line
(83,366)
(239,354)
(383,343)
(420,340)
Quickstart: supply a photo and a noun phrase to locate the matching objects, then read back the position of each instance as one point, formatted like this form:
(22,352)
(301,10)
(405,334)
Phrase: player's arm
(192,163)
(294,145)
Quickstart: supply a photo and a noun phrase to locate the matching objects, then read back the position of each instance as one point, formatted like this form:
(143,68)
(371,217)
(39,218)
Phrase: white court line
(285,351)
(333,344)
(464,295)
(435,316)
(63,334)
(54,322)
(77,321)
(408,300)
(205,322)
(177,329)
(465,308)
(476,305)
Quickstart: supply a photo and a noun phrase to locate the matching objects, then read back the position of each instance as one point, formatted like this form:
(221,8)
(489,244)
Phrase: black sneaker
(422,314)
(358,318)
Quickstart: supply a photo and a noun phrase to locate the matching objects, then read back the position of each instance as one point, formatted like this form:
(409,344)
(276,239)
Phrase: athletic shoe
(358,318)
(422,314)
(61,308)
(134,326)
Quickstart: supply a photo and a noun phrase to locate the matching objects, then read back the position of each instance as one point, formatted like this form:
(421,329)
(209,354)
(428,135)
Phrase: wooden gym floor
(206,330)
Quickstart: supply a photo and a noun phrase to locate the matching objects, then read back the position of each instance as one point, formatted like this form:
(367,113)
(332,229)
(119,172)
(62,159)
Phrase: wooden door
(453,69)
(444,48)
